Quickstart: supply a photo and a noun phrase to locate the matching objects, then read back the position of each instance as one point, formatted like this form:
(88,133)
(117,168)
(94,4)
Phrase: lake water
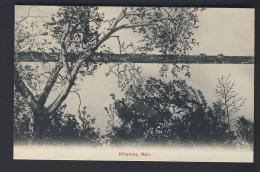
(95,89)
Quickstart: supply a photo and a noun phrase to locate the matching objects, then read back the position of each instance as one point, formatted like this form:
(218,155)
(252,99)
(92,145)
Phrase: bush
(160,112)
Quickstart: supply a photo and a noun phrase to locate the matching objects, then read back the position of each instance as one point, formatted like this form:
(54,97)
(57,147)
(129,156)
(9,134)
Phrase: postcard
(127,83)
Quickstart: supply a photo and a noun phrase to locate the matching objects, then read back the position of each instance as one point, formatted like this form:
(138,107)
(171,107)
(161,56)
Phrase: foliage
(68,127)
(64,127)
(166,112)
(245,130)
(22,120)
(221,132)
(180,22)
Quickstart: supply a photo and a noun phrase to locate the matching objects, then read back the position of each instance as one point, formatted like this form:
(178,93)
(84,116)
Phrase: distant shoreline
(141,58)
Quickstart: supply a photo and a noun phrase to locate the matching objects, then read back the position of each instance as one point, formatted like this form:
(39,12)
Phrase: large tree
(80,33)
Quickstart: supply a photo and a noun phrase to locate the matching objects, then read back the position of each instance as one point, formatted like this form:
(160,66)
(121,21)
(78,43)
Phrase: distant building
(202,55)
(219,56)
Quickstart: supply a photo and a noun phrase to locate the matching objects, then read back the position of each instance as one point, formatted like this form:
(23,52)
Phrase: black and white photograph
(122,83)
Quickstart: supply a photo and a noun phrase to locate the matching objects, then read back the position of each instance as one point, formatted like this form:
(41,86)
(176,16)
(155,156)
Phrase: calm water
(97,88)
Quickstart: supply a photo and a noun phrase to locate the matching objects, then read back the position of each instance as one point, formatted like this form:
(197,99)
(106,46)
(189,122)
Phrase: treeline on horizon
(143,58)
(151,112)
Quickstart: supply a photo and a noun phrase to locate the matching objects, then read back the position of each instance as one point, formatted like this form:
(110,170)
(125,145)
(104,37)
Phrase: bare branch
(74,91)
(230,99)
(64,93)
(136,25)
(118,43)
(18,23)
(119,18)
(50,82)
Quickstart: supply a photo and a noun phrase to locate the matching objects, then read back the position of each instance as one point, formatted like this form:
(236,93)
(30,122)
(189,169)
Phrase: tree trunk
(41,123)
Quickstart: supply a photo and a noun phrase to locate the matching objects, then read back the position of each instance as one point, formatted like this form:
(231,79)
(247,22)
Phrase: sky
(229,31)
